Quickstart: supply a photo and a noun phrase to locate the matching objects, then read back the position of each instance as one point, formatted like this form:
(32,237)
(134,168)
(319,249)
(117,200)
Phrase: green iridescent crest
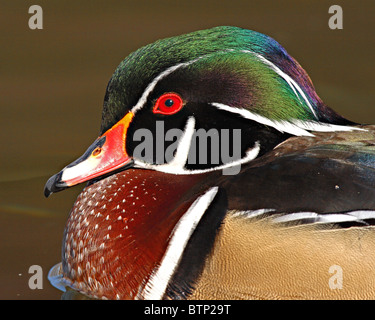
(271,83)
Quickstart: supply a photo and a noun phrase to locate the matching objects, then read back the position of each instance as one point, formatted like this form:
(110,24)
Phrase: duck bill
(105,156)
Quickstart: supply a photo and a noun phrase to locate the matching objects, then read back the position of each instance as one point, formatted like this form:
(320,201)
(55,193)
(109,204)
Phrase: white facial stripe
(158,282)
(152,85)
(295,127)
(323,127)
(282,126)
(178,163)
(251,154)
(183,147)
(289,80)
(293,84)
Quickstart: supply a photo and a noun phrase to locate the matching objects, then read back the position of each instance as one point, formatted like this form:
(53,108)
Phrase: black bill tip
(54,184)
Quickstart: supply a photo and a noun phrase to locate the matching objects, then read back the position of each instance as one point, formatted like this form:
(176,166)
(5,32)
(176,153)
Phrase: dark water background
(52,84)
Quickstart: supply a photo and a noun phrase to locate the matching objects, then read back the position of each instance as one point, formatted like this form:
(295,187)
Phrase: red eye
(168,103)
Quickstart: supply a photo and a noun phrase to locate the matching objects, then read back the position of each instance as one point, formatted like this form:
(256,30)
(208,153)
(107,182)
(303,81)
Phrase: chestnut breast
(119,228)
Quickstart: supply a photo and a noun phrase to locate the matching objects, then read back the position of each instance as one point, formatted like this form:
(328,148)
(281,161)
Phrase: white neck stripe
(157,284)
(183,147)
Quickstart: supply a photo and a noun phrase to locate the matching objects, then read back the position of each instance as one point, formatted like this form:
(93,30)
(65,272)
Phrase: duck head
(199,102)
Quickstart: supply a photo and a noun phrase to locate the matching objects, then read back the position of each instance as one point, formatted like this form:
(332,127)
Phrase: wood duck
(219,173)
